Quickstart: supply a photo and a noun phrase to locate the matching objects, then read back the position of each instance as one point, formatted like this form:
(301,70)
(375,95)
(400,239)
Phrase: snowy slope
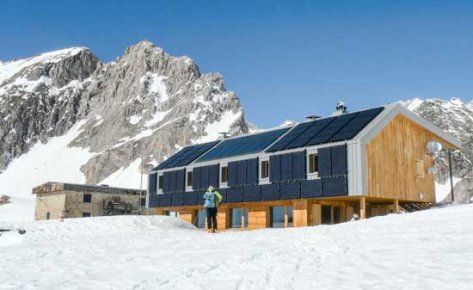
(424,250)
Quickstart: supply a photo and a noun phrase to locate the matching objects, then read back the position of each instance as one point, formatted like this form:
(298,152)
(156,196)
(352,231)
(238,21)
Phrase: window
(265,169)
(173,214)
(239,217)
(289,216)
(278,217)
(281,216)
(87,198)
(86,214)
(224,177)
(420,168)
(189,178)
(326,214)
(160,182)
(313,163)
(48,215)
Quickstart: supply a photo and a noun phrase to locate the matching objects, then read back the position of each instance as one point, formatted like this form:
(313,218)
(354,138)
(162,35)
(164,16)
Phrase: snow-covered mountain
(67,116)
(456,117)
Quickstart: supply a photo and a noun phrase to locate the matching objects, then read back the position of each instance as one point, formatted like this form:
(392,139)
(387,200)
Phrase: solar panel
(333,129)
(243,145)
(284,141)
(356,125)
(315,129)
(186,155)
(330,130)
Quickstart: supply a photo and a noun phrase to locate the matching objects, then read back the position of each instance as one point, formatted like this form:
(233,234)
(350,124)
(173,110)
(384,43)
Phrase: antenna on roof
(312,117)
(223,135)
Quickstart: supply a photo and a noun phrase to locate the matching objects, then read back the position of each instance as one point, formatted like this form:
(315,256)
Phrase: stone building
(55,200)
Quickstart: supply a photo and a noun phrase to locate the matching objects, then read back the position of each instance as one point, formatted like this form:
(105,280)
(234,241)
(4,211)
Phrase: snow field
(424,250)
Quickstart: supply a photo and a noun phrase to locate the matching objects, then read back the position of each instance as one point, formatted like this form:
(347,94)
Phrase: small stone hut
(55,200)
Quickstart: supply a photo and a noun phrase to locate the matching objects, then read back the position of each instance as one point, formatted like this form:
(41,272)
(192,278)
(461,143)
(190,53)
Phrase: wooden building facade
(323,171)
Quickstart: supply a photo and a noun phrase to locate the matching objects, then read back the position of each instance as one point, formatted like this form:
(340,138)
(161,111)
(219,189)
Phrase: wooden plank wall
(258,217)
(391,162)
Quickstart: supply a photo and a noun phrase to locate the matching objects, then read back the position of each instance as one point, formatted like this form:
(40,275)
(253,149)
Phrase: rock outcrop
(145,105)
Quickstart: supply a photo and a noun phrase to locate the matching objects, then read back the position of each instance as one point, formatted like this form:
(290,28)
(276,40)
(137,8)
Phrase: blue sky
(285,60)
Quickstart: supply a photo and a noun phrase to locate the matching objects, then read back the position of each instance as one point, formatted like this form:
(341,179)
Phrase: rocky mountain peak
(143,106)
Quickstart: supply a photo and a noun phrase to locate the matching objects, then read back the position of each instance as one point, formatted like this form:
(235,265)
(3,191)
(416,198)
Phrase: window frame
(159,181)
(222,165)
(315,174)
(191,172)
(264,179)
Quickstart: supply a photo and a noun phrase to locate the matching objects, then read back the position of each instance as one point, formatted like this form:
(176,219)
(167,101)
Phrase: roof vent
(340,109)
(312,117)
(223,135)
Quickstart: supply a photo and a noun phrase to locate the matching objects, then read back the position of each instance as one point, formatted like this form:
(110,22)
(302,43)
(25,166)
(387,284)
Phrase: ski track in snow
(424,250)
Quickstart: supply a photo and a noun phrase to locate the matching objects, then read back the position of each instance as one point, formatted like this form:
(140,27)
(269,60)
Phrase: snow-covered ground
(432,249)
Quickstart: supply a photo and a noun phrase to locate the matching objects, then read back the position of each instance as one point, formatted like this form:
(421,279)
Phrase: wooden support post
(316,214)
(362,207)
(300,213)
(396,206)
(349,212)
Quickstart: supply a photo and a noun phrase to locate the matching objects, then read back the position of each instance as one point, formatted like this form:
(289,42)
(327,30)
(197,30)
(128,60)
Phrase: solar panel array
(333,129)
(186,155)
(243,145)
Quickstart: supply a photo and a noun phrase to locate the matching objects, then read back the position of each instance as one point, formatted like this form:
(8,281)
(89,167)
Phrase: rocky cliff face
(145,105)
(456,117)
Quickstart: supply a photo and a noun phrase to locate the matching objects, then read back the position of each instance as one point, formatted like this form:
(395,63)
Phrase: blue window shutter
(172,181)
(241,176)
(275,168)
(252,171)
(181,174)
(166,182)
(325,162)
(196,178)
(286,167)
(232,173)
(214,175)
(339,160)
(152,183)
(299,165)
(204,178)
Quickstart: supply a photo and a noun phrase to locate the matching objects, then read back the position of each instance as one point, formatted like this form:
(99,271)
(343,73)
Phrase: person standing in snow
(211,201)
